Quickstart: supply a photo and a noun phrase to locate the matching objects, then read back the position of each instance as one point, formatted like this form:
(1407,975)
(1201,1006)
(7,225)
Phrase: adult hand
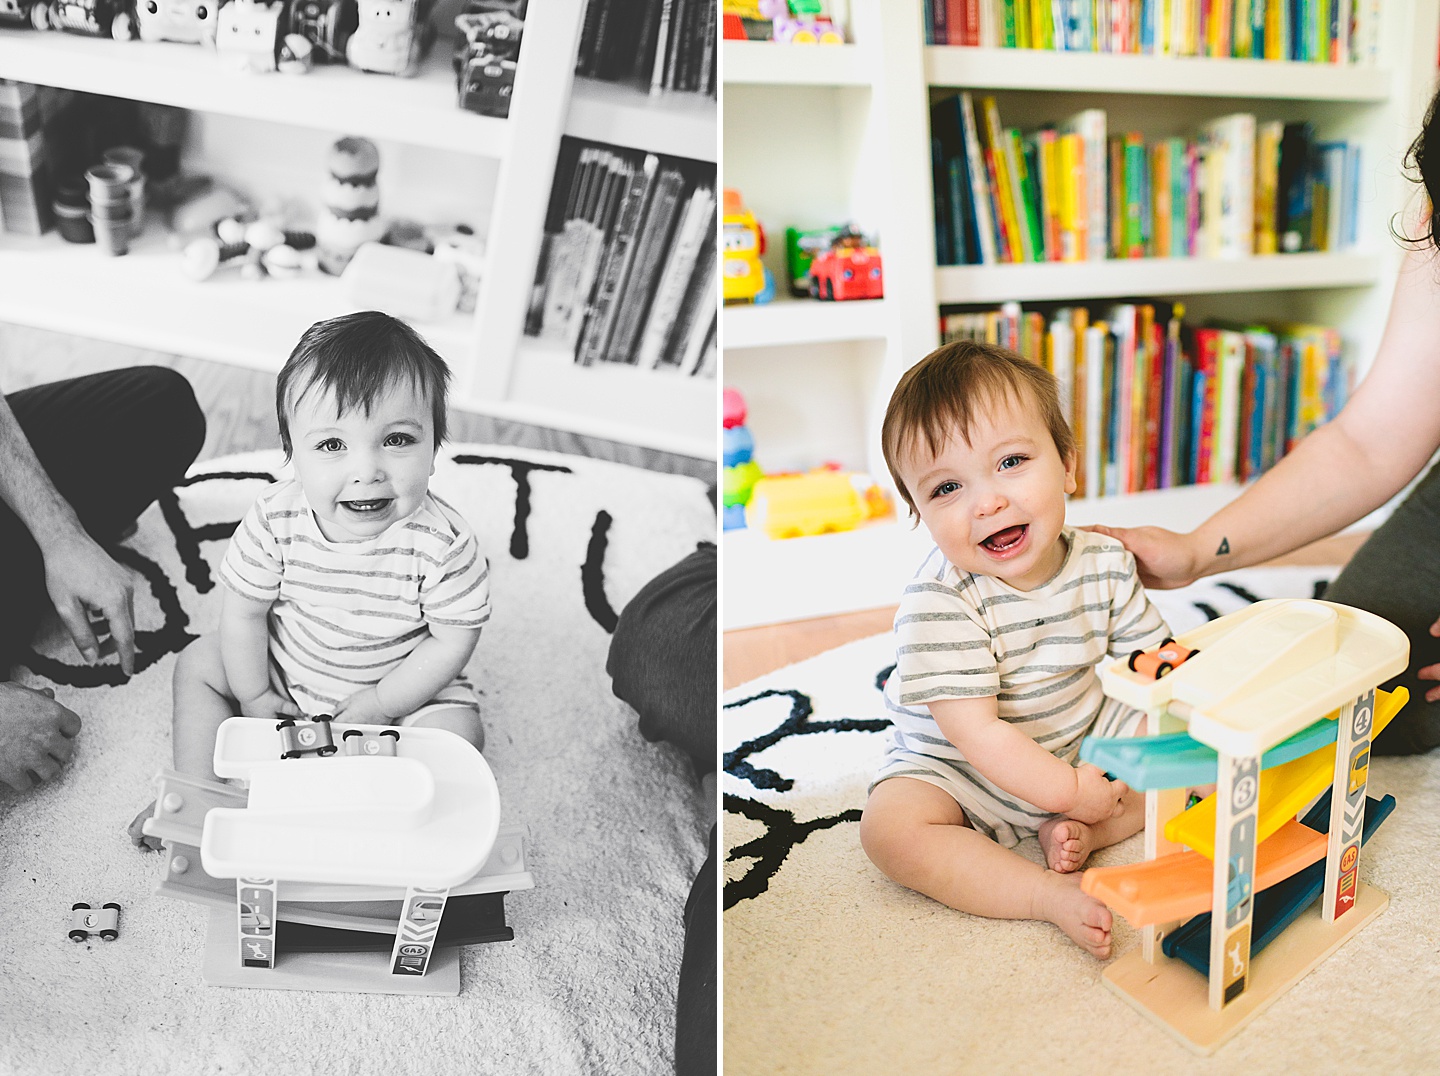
(269,704)
(82,579)
(1164,558)
(1097,797)
(36,735)
(1431,672)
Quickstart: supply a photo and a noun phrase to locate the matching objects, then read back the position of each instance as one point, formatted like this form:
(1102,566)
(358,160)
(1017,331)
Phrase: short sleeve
(942,651)
(456,593)
(1135,624)
(252,564)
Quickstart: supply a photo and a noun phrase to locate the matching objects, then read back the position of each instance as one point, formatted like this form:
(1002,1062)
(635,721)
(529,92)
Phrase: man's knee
(170,400)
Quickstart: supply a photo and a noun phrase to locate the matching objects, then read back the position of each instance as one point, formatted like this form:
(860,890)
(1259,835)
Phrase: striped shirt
(959,636)
(344,614)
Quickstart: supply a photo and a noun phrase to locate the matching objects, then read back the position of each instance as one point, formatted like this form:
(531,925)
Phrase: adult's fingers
(120,612)
(69,724)
(77,623)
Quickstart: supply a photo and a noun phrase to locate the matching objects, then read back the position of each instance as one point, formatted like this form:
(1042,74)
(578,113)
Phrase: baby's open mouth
(366,506)
(1000,541)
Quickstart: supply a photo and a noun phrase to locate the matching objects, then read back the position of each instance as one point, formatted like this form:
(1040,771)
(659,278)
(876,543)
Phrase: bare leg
(1067,844)
(461,720)
(201,704)
(918,835)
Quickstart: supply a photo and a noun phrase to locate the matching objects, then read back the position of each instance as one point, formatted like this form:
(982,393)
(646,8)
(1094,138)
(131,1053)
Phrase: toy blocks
(25,188)
(1279,704)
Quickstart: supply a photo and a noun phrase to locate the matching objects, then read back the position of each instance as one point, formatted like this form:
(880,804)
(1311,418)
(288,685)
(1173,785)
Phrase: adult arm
(1019,765)
(1345,469)
(416,680)
(79,576)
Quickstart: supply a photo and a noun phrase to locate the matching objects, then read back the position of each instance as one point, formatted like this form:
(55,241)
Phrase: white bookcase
(267,135)
(818,136)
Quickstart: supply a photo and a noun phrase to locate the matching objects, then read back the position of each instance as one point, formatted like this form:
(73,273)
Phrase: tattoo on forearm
(1224,547)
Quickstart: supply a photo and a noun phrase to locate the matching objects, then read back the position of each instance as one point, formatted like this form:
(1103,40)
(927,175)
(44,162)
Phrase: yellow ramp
(1284,790)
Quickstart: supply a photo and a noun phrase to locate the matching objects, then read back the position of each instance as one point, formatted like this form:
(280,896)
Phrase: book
(620,257)
(655,238)
(997,160)
(980,196)
(1027,197)
(695,222)
(1089,125)
(697,316)
(1231,140)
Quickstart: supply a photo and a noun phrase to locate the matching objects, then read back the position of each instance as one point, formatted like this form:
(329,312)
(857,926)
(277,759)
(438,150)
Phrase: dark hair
(1426,169)
(359,356)
(941,395)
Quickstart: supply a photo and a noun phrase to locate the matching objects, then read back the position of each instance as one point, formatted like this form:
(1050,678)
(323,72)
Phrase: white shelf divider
(1115,277)
(802,321)
(1186,76)
(418,111)
(766,63)
(678,124)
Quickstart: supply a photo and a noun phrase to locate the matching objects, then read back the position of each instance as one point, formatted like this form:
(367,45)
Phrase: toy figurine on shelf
(801,22)
(351,214)
(850,269)
(192,22)
(326,24)
(741,471)
(249,36)
(487,53)
(94,18)
(796,505)
(18,13)
(391,36)
(745,278)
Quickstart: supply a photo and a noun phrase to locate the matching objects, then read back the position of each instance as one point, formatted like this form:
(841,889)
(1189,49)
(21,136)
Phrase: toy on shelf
(407,283)
(93,18)
(487,52)
(745,278)
(86,922)
(741,472)
(17,13)
(326,24)
(190,21)
(391,36)
(248,38)
(351,203)
(111,207)
(257,249)
(798,505)
(802,247)
(801,22)
(360,872)
(850,269)
(1274,704)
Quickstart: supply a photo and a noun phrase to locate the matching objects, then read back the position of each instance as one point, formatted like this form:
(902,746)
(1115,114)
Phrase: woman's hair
(940,396)
(1422,160)
(358,357)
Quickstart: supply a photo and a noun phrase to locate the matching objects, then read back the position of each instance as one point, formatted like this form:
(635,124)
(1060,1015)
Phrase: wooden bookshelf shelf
(678,124)
(802,321)
(766,63)
(1183,76)
(1115,278)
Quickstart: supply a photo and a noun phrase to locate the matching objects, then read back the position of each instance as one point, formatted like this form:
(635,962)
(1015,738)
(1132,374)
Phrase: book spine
(985,223)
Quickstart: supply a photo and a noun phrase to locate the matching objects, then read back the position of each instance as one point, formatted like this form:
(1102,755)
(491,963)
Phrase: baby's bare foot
(138,836)
(1079,915)
(1066,843)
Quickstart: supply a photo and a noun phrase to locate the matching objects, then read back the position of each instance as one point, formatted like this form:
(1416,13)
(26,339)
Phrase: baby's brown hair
(941,394)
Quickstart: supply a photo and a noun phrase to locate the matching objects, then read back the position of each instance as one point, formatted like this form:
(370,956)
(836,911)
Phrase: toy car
(17,12)
(850,269)
(93,17)
(306,737)
(1359,770)
(486,85)
(357,743)
(743,242)
(84,922)
(326,24)
(191,21)
(252,919)
(1165,658)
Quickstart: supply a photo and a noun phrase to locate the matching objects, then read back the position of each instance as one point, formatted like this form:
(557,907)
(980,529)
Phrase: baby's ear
(1072,462)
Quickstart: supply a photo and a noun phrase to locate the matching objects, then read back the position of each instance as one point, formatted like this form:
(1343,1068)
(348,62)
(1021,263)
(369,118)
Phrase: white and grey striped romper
(344,614)
(959,635)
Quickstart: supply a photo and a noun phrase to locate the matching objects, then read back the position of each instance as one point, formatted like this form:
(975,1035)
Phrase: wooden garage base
(1175,996)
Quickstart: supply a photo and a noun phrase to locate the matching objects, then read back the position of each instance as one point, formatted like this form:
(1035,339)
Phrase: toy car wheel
(325,751)
(288,723)
(121,28)
(1163,668)
(1167,640)
(112,904)
(830,290)
(351,732)
(78,935)
(327,718)
(1133,655)
(109,935)
(40,16)
(391,732)
(77,907)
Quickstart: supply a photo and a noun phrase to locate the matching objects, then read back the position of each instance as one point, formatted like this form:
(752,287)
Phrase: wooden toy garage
(1277,710)
(357,871)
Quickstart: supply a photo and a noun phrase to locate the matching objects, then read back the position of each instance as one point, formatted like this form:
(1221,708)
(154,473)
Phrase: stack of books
(1318,31)
(628,269)
(1155,403)
(1075,192)
(656,44)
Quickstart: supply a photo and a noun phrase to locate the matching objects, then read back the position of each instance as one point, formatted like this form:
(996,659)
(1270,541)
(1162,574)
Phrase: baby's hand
(363,708)
(1097,798)
(269,705)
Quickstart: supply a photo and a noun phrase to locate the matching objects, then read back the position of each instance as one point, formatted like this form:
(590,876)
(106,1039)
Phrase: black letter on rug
(592,575)
(520,471)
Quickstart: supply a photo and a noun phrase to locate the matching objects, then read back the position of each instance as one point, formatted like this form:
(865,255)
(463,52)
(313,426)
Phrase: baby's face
(360,472)
(996,505)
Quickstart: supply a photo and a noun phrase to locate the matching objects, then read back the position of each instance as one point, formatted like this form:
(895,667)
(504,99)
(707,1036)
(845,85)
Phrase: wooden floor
(752,652)
(239,403)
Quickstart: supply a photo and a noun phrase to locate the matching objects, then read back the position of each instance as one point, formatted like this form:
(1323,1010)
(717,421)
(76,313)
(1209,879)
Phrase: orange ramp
(1178,886)
(1284,790)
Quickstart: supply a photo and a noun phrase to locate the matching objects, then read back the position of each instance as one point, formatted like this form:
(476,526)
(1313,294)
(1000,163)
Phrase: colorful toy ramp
(1275,907)
(425,817)
(1179,885)
(1268,672)
(1284,790)
(1177,760)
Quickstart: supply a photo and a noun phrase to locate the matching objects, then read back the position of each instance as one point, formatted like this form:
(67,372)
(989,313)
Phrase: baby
(996,642)
(350,589)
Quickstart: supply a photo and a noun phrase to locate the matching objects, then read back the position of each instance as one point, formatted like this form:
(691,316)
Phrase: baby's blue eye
(944,489)
(1014,460)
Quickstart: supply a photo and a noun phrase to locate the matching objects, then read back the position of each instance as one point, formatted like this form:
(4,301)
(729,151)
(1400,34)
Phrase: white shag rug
(615,826)
(830,968)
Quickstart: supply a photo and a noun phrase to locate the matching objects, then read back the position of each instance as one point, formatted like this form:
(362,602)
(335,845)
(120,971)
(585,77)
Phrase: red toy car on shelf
(850,269)
(1165,658)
